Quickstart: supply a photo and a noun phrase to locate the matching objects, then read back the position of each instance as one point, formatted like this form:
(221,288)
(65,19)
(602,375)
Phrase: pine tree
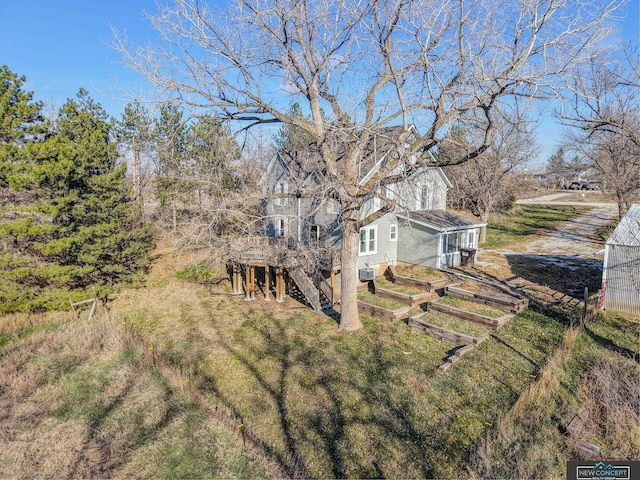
(134,132)
(172,174)
(212,151)
(21,120)
(291,138)
(79,226)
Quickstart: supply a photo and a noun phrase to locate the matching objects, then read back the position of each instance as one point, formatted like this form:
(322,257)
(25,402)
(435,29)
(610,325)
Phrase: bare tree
(603,117)
(486,184)
(356,66)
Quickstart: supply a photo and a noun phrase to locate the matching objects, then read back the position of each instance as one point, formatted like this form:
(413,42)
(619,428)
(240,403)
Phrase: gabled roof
(627,232)
(276,159)
(441,220)
(302,163)
(380,144)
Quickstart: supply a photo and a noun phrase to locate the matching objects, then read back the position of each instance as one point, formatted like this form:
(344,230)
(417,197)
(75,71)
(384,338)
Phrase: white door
(450,249)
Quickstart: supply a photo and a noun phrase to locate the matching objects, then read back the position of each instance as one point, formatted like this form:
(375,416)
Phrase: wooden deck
(284,260)
(274,251)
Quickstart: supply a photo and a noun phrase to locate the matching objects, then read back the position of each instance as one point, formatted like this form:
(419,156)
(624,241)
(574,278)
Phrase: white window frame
(471,238)
(369,239)
(280,227)
(314,240)
(282,188)
(393,232)
(332,207)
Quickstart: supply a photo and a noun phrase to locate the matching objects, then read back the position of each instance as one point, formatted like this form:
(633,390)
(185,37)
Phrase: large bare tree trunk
(349,316)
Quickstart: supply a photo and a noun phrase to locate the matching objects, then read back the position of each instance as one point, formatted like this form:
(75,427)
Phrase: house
(621,268)
(419,231)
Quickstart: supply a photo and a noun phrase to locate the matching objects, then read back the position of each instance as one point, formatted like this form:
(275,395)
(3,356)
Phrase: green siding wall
(418,245)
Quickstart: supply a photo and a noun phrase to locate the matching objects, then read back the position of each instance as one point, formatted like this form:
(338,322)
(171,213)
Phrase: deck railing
(276,248)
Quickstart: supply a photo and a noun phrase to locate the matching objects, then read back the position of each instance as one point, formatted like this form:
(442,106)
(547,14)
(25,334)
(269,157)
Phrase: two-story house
(419,231)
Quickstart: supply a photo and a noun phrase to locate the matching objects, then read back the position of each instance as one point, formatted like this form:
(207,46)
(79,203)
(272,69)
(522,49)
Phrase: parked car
(579,185)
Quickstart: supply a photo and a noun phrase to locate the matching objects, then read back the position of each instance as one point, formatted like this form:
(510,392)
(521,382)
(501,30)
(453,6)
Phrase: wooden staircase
(306,287)
(316,291)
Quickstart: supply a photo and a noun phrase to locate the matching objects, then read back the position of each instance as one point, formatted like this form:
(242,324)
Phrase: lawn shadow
(288,369)
(568,274)
(611,345)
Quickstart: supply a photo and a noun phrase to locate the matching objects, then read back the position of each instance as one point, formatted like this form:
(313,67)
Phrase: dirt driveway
(565,260)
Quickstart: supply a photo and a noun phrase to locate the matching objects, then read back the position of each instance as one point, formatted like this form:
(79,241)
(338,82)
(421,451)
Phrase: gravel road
(565,259)
(572,238)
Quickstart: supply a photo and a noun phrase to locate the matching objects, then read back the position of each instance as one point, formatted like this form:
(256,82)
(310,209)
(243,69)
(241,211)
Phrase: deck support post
(267,283)
(237,279)
(250,283)
(279,284)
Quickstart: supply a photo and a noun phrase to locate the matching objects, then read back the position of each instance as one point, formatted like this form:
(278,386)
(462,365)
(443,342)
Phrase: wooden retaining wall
(381,312)
(411,300)
(465,343)
(502,301)
(440,333)
(457,355)
(494,323)
(428,285)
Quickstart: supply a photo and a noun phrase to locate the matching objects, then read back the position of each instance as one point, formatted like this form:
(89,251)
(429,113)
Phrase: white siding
(621,272)
(386,251)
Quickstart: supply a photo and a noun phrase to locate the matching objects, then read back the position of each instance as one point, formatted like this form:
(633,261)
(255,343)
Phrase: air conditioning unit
(367,274)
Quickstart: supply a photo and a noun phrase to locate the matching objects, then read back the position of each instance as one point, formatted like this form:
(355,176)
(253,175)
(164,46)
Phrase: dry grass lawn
(326,404)
(82,399)
(158,387)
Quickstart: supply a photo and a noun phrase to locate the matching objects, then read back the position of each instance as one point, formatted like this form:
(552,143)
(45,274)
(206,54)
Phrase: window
(281,227)
(471,239)
(424,199)
(332,207)
(368,240)
(451,243)
(315,235)
(393,232)
(282,188)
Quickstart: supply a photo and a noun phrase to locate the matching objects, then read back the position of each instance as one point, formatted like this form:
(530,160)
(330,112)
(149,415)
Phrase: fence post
(586,304)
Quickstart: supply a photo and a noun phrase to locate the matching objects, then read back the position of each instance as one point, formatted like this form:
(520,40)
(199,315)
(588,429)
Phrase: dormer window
(332,207)
(282,189)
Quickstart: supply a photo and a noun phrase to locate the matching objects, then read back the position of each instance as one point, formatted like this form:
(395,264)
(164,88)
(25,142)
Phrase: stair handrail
(326,289)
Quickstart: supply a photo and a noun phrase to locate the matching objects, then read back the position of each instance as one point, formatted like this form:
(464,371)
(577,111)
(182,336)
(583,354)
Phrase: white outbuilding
(621,269)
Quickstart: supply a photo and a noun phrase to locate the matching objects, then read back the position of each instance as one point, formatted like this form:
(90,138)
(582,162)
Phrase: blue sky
(61,45)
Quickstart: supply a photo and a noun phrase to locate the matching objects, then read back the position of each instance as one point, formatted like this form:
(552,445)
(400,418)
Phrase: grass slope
(593,375)
(326,404)
(80,399)
(84,398)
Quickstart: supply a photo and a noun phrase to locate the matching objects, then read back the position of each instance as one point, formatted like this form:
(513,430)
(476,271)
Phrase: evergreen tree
(80,226)
(172,176)
(212,151)
(557,168)
(21,120)
(291,138)
(134,132)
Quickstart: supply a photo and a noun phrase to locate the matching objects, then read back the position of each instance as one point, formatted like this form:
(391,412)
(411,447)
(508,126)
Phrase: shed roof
(442,220)
(627,232)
